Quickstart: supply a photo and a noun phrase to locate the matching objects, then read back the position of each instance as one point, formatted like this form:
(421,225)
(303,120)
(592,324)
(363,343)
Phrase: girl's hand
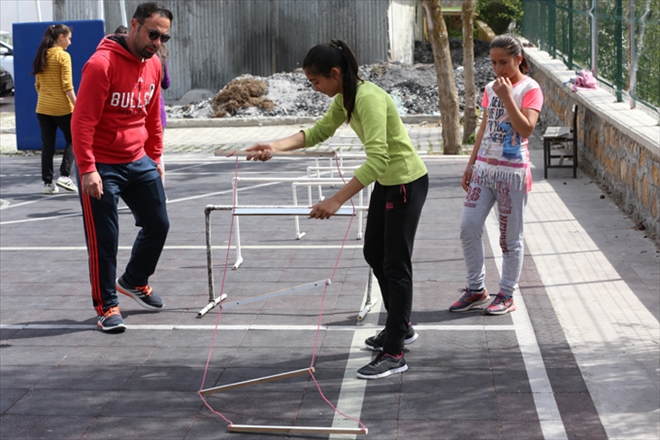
(325,209)
(503,87)
(467,178)
(261,151)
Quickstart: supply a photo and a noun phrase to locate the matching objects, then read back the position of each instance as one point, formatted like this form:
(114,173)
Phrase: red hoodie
(117,114)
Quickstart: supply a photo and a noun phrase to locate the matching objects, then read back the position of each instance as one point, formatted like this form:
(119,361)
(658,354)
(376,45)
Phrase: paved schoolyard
(579,359)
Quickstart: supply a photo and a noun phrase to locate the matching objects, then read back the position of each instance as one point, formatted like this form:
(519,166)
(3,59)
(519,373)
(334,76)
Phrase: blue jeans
(394,213)
(140,187)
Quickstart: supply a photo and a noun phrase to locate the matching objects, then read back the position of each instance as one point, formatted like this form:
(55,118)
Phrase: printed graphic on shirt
(130,102)
(511,145)
(501,131)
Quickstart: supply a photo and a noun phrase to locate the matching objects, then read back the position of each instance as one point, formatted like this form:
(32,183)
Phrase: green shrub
(498,14)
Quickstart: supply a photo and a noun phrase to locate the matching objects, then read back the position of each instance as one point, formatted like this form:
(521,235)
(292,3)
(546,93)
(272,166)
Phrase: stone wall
(617,146)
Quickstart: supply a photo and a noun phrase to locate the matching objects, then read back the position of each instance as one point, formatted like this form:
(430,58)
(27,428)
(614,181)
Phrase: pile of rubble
(413,87)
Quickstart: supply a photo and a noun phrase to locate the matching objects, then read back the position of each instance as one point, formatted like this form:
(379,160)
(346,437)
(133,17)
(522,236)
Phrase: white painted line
(6,204)
(180,248)
(240,327)
(123,208)
(351,393)
(546,406)
(40,219)
(228,191)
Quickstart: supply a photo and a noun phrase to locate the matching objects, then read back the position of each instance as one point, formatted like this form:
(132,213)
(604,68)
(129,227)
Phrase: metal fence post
(618,30)
(552,28)
(570,33)
(593,13)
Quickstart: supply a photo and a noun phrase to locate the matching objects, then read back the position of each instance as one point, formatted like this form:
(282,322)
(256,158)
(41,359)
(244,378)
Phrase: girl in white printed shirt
(498,171)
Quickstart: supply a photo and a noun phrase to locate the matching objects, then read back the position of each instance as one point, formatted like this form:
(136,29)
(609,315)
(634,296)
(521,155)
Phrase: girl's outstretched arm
(524,120)
(326,208)
(262,151)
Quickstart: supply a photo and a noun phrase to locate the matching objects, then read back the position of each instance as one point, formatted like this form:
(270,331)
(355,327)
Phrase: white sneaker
(66,183)
(50,188)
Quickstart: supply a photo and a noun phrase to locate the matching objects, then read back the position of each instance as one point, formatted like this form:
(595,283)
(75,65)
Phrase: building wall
(401,17)
(21,11)
(216,41)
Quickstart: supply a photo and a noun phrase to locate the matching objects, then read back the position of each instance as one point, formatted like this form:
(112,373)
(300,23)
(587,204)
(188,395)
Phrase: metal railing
(618,40)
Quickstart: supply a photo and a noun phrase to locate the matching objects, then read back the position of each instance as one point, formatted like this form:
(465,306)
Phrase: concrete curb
(277,120)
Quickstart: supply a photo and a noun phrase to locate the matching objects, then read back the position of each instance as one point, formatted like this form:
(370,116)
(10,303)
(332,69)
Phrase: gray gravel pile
(413,87)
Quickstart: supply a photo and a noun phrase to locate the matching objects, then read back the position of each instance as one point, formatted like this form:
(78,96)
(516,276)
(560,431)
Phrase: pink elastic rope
(318,326)
(222,289)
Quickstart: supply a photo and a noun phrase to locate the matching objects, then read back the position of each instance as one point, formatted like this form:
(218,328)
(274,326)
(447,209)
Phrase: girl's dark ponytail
(323,57)
(51,35)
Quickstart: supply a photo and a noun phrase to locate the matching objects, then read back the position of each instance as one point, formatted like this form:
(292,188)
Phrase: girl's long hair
(162,53)
(323,57)
(513,46)
(51,35)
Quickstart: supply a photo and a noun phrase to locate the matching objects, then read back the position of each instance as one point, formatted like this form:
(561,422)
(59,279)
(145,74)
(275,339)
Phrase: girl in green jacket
(400,187)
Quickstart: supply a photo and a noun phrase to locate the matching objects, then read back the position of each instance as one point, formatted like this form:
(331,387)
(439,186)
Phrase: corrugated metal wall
(214,41)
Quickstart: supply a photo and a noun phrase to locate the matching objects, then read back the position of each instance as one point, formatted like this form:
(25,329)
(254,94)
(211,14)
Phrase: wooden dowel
(295,429)
(230,153)
(231,386)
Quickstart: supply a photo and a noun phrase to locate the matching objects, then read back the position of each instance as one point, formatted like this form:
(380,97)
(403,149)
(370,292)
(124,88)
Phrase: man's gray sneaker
(111,321)
(144,295)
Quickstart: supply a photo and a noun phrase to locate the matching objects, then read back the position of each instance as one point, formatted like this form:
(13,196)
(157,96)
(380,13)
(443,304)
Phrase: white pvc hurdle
(250,211)
(302,181)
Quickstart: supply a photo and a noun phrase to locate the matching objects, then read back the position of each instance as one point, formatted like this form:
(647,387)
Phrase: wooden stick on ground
(295,429)
(258,380)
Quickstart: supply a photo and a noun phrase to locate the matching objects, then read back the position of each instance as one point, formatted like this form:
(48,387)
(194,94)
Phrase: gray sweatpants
(511,203)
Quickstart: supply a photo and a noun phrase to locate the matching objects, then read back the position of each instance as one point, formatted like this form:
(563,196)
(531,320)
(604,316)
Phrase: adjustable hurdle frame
(302,181)
(268,210)
(249,211)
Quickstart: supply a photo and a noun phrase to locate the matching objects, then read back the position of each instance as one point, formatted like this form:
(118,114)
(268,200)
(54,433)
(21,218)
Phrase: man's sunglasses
(155,35)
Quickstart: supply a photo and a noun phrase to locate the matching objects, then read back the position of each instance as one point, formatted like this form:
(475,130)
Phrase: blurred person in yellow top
(56,98)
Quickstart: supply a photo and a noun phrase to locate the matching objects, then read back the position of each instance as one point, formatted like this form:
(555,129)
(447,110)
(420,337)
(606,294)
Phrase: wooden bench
(561,143)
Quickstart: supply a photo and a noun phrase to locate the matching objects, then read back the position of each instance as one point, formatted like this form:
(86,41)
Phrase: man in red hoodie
(118,142)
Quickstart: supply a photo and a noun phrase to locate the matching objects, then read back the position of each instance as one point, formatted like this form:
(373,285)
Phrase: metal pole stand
(369,303)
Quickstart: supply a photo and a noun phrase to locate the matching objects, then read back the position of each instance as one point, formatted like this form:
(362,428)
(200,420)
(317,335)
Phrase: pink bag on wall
(585,80)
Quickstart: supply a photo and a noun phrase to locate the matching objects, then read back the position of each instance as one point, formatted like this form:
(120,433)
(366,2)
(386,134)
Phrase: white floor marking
(242,327)
(351,393)
(183,248)
(546,406)
(122,208)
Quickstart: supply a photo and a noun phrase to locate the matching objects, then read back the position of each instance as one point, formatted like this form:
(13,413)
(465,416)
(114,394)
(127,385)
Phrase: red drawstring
(403,190)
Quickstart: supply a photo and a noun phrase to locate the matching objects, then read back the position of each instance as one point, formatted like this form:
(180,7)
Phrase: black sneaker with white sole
(144,295)
(376,343)
(384,365)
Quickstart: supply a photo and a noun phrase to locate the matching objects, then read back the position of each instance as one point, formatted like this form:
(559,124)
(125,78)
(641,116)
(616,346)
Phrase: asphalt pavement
(579,359)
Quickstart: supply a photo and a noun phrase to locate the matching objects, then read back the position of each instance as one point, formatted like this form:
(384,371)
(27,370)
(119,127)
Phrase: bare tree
(448,97)
(470,114)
